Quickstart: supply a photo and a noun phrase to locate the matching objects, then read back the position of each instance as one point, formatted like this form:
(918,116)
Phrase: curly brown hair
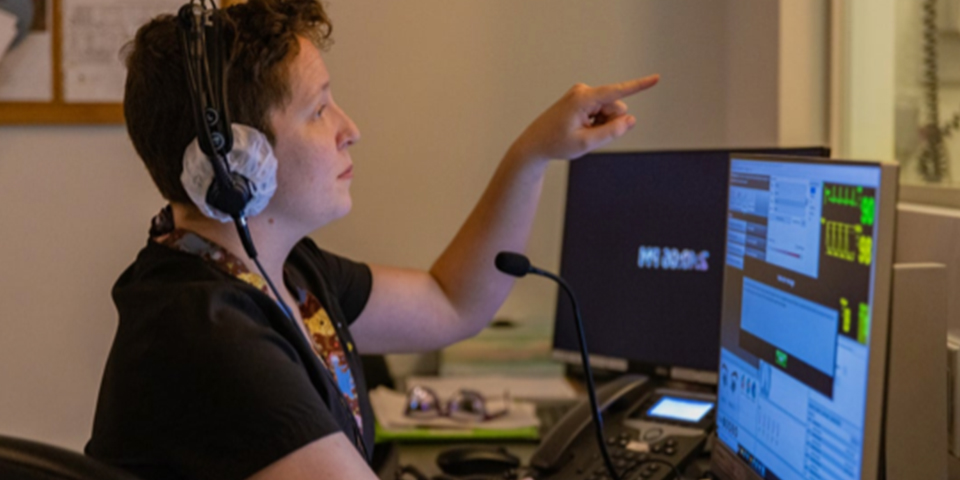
(261,36)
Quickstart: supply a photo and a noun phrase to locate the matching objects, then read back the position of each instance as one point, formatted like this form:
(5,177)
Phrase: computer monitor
(643,247)
(806,299)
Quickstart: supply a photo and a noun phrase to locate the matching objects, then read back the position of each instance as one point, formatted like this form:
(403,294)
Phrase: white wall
(752,78)
(867,87)
(439,88)
(74,207)
(803,72)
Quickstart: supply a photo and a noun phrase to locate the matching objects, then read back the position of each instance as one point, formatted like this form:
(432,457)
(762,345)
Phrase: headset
(206,68)
(206,71)
(202,40)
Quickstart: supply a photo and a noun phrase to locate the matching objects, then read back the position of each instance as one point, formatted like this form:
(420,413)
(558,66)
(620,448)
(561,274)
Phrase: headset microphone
(518,265)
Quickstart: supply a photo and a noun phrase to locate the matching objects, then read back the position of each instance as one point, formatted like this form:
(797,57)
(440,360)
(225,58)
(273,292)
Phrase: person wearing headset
(208,377)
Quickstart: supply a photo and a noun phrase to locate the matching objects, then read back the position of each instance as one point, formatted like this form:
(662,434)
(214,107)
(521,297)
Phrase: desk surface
(424,455)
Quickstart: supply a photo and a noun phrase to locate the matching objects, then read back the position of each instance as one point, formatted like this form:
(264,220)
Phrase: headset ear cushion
(251,158)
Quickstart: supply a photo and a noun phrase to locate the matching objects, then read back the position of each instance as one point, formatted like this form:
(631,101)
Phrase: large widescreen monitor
(807,271)
(643,244)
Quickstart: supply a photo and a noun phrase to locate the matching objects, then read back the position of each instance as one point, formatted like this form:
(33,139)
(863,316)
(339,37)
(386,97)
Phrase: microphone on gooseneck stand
(518,265)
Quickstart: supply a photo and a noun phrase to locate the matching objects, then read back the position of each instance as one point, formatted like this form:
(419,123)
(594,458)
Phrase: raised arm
(411,310)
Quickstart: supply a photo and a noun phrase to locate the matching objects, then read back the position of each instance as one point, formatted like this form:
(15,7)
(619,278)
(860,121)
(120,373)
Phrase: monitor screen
(643,246)
(798,302)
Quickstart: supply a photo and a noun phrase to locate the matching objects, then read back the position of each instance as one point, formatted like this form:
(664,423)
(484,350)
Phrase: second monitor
(643,247)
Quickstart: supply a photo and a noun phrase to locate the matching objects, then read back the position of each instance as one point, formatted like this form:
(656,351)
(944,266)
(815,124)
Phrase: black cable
(276,293)
(591,388)
(242,228)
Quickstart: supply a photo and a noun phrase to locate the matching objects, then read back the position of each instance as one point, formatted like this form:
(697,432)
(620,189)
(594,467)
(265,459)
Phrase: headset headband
(201,36)
(202,39)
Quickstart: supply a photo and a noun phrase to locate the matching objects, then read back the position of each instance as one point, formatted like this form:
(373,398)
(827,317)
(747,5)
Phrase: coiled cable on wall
(933,159)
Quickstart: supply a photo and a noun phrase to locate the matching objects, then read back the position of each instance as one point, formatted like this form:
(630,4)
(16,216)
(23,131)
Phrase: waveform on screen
(854,197)
(847,242)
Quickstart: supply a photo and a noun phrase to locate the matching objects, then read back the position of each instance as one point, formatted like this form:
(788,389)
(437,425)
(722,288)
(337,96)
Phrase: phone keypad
(634,458)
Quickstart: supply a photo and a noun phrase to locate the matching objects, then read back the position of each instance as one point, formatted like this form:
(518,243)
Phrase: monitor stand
(915,423)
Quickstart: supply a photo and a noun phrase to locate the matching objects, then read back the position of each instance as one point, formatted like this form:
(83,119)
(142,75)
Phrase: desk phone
(647,430)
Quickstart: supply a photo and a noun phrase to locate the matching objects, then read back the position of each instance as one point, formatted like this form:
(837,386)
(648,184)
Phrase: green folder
(442,434)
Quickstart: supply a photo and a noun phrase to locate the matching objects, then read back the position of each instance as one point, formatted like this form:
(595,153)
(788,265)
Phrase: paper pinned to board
(26,66)
(8,31)
(94,33)
(26,71)
(523,388)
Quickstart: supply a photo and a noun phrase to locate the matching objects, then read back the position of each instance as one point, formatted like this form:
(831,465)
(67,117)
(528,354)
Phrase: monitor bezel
(880,306)
(617,364)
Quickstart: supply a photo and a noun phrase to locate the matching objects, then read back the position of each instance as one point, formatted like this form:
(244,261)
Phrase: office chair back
(26,460)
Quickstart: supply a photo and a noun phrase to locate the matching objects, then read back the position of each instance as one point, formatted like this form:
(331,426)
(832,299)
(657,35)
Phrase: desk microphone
(515,264)
(518,265)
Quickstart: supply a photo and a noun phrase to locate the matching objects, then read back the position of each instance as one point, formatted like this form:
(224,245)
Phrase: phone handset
(553,452)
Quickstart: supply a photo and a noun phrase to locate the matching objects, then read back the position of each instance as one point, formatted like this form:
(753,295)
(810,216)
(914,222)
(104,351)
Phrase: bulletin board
(69,69)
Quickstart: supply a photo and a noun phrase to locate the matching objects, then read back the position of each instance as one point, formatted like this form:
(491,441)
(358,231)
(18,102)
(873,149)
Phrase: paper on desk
(8,31)
(389,407)
(522,388)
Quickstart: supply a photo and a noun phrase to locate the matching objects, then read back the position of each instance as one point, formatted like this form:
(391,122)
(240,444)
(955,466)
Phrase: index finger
(616,91)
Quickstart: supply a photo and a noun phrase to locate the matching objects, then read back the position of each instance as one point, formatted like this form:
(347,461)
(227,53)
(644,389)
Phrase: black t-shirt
(208,379)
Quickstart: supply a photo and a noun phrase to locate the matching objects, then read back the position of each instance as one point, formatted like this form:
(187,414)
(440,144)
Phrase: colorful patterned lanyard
(323,335)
